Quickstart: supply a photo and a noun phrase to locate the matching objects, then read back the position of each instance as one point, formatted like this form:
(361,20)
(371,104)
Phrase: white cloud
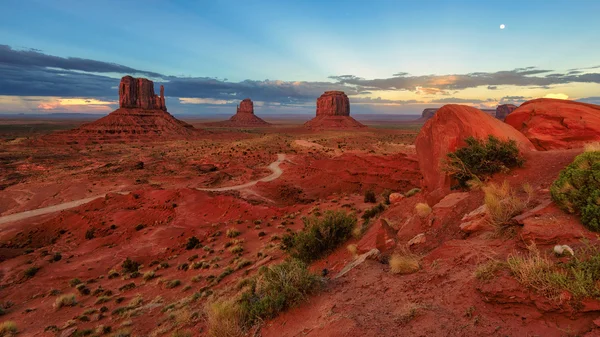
(192,100)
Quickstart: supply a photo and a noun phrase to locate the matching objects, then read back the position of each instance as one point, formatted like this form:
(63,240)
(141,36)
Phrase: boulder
(557,124)
(396,198)
(446,132)
(476,220)
(380,235)
(418,239)
(504,110)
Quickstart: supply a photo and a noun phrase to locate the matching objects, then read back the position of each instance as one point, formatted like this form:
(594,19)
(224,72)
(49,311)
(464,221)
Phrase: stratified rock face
(333,103)
(246,106)
(333,112)
(446,132)
(139,93)
(504,110)
(557,124)
(428,113)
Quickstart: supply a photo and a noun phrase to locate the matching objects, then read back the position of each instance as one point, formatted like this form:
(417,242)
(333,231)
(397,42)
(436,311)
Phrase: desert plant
(386,196)
(66,300)
(31,271)
(192,243)
(352,249)
(405,263)
(8,328)
(236,249)
(130,266)
(412,192)
(225,319)
(232,233)
(149,275)
(577,189)
(172,284)
(592,147)
(422,209)
(503,203)
(370,197)
(487,271)
(480,159)
(373,212)
(320,235)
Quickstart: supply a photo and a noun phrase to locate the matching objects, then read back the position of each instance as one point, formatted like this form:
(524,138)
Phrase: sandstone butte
(557,124)
(427,114)
(446,132)
(244,117)
(504,110)
(142,115)
(333,112)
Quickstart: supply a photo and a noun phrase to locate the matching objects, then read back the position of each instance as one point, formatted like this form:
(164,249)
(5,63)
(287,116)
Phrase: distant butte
(142,115)
(244,117)
(333,112)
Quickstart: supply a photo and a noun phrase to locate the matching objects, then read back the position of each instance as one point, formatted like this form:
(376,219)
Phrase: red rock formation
(244,117)
(333,103)
(428,113)
(557,124)
(504,110)
(446,131)
(333,112)
(139,93)
(246,106)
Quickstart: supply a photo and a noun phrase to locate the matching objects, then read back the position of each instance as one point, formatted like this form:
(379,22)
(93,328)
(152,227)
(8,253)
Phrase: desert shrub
(412,192)
(127,286)
(422,209)
(405,263)
(74,282)
(236,249)
(228,271)
(66,300)
(31,271)
(370,197)
(503,203)
(487,271)
(580,275)
(225,319)
(192,243)
(592,147)
(232,233)
(277,288)
(373,211)
(172,284)
(130,266)
(577,189)
(8,328)
(90,233)
(386,196)
(113,274)
(149,275)
(320,235)
(479,159)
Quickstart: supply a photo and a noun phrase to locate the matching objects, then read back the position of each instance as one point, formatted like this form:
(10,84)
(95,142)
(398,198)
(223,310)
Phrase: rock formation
(139,93)
(557,124)
(428,113)
(503,110)
(244,117)
(142,115)
(333,112)
(446,131)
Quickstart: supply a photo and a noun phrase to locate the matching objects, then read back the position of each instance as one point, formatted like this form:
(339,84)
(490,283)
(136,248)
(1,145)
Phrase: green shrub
(577,189)
(276,289)
(31,271)
(130,266)
(386,196)
(320,236)
(192,243)
(172,284)
(370,197)
(479,159)
(373,211)
(8,328)
(232,233)
(412,192)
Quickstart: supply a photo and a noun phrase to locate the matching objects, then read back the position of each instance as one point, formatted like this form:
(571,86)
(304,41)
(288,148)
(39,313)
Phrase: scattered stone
(396,198)
(380,235)
(360,259)
(561,249)
(420,238)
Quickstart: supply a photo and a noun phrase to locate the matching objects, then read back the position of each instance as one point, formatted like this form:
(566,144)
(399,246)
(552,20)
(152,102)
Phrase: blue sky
(389,56)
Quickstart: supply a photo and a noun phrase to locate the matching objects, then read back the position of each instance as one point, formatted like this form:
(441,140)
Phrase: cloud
(591,100)
(190,100)
(456,100)
(517,100)
(557,96)
(379,100)
(492,87)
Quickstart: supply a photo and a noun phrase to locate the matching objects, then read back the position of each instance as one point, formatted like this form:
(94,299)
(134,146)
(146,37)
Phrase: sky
(390,57)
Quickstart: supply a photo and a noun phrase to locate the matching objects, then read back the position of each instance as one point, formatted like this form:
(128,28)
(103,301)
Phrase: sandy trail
(274,167)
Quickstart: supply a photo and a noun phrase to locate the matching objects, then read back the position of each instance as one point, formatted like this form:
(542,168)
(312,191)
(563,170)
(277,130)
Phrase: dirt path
(274,167)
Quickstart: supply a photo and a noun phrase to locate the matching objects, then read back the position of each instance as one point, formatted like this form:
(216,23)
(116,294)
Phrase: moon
(502,26)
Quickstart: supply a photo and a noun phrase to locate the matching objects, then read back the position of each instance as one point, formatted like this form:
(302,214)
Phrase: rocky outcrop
(504,110)
(139,93)
(244,117)
(446,132)
(333,112)
(557,124)
(428,113)
(333,103)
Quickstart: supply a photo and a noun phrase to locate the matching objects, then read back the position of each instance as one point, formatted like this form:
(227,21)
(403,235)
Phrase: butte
(333,112)
(244,117)
(142,115)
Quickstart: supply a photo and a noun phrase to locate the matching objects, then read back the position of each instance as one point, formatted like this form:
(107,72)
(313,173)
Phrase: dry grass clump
(8,328)
(422,209)
(66,300)
(225,319)
(488,270)
(405,263)
(503,203)
(232,233)
(592,147)
(353,249)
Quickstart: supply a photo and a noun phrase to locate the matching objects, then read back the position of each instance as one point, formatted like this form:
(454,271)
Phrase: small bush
(192,243)
(488,270)
(103,299)
(386,196)
(236,249)
(172,284)
(320,236)
(480,159)
(373,212)
(232,233)
(130,266)
(225,319)
(422,209)
(412,192)
(577,189)
(31,271)
(404,263)
(90,233)
(66,300)
(503,203)
(113,274)
(149,275)
(370,197)
(8,328)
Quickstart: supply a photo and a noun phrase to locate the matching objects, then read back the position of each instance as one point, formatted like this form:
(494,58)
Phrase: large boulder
(446,132)
(557,124)
(504,110)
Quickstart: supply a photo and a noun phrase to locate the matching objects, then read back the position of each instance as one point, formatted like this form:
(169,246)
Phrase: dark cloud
(492,87)
(516,100)
(591,100)
(450,100)
(379,100)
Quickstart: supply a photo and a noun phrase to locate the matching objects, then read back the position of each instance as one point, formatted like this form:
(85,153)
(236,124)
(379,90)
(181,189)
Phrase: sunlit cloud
(557,96)
(193,100)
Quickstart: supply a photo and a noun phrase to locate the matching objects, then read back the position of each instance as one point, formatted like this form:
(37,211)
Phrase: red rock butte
(142,116)
(333,112)
(504,110)
(244,117)
(557,124)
